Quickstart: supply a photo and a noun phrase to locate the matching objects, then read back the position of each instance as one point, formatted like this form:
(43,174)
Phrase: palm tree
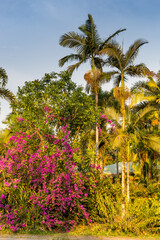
(5,93)
(135,136)
(87,45)
(124,66)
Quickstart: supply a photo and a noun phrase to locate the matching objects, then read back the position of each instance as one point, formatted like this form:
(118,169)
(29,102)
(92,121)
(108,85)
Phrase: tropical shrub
(40,187)
(142,217)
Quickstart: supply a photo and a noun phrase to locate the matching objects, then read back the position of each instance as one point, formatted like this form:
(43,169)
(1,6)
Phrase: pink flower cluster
(108,121)
(41,185)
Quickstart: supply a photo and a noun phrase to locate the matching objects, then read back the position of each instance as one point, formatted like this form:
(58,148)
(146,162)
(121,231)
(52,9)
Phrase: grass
(100,230)
(97,230)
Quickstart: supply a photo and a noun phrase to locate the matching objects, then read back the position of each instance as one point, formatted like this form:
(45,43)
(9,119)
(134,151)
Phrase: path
(63,237)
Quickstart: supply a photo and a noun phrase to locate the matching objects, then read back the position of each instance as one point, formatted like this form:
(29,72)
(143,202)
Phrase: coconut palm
(87,45)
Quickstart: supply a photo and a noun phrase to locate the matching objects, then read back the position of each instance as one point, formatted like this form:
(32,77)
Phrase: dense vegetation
(59,139)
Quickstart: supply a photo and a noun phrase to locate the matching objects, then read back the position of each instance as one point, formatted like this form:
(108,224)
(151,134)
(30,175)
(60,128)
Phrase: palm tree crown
(124,63)
(88,44)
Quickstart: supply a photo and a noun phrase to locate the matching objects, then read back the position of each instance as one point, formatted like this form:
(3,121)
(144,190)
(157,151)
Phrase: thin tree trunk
(117,162)
(123,145)
(156,166)
(128,190)
(123,181)
(97,133)
(141,163)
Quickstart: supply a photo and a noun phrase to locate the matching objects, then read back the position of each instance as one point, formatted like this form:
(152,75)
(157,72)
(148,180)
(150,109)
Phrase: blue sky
(30,32)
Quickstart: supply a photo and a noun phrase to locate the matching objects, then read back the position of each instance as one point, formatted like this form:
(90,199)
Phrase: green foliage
(104,199)
(108,198)
(4,137)
(3,77)
(59,93)
(142,216)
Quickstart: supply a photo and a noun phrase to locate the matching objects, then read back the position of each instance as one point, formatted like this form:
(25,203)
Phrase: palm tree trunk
(97,133)
(128,189)
(123,145)
(123,177)
(117,163)
(141,163)
(128,192)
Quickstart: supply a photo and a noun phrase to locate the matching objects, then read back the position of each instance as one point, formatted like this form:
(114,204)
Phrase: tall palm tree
(123,65)
(5,93)
(87,45)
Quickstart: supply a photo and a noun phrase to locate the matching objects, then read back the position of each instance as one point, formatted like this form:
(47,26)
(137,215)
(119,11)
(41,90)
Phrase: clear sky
(30,32)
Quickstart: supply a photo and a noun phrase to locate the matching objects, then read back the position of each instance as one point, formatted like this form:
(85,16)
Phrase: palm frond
(116,57)
(133,51)
(99,62)
(107,76)
(135,98)
(146,91)
(108,40)
(69,58)
(152,84)
(91,33)
(139,106)
(73,67)
(137,93)
(117,143)
(72,40)
(153,142)
(3,77)
(113,115)
(143,112)
(138,86)
(138,70)
(92,30)
(7,95)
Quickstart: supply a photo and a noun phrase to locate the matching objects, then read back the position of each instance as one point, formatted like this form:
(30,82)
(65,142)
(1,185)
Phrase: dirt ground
(65,237)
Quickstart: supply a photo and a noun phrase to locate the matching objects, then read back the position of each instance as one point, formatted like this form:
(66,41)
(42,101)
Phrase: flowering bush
(39,184)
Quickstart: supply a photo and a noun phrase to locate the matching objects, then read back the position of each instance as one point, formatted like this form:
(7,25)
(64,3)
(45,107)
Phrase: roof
(112,169)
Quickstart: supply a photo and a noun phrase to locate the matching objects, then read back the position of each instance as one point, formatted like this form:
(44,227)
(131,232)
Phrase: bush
(142,216)
(40,186)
